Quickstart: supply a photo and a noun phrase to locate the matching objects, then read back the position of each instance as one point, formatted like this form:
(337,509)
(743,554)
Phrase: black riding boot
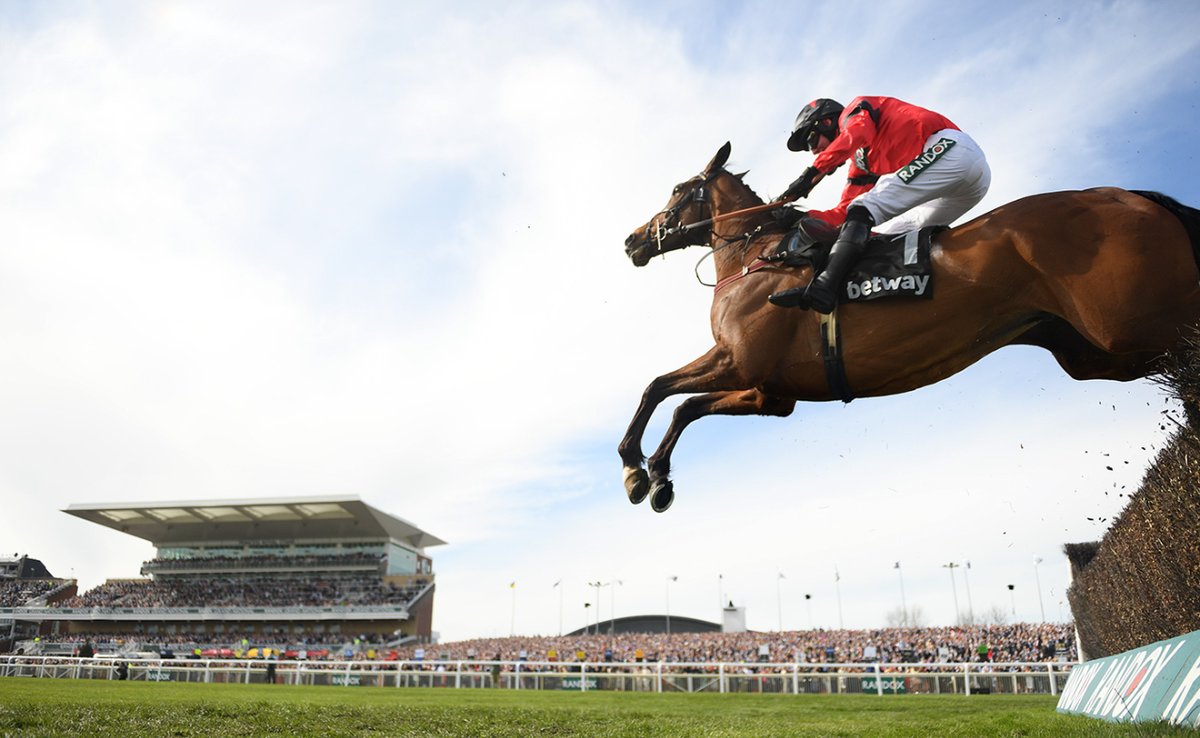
(821,293)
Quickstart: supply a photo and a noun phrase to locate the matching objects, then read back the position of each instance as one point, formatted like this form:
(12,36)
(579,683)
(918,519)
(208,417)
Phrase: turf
(127,709)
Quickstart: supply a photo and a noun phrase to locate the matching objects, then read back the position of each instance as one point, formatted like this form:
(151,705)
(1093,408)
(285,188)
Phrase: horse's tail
(1188,216)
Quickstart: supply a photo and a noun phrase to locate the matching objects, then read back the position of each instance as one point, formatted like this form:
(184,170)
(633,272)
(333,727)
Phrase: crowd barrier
(779,678)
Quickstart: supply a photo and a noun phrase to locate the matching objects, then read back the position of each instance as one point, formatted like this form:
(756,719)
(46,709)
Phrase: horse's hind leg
(737,402)
(709,373)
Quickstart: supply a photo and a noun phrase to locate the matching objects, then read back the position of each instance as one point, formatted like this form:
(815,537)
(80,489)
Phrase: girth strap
(831,350)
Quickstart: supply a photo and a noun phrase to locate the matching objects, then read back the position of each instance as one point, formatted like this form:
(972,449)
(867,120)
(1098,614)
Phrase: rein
(657,232)
(726,216)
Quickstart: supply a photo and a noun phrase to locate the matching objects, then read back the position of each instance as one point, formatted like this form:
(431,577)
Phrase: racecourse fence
(778,678)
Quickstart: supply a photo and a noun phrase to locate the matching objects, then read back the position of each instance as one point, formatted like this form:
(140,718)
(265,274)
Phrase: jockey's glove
(803,185)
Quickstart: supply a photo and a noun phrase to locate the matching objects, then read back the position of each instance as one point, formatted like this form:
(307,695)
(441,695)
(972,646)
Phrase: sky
(281,249)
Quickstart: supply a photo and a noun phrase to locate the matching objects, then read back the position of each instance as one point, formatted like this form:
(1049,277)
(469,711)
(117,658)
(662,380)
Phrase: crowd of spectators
(1022,642)
(246,591)
(18,592)
(1025,642)
(265,561)
(186,642)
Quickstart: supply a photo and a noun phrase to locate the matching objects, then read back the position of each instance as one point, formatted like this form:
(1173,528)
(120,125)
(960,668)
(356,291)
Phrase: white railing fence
(779,678)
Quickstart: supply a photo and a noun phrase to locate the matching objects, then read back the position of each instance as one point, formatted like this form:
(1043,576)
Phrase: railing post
(660,677)
(1050,673)
(967,678)
(458,675)
(721,676)
(583,677)
(796,678)
(879,679)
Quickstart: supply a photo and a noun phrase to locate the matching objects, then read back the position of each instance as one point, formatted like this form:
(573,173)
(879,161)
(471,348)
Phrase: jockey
(910,167)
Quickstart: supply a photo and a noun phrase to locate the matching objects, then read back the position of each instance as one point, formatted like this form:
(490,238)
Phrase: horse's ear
(719,160)
(742,177)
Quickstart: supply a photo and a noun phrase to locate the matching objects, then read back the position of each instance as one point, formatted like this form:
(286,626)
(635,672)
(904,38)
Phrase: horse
(1105,279)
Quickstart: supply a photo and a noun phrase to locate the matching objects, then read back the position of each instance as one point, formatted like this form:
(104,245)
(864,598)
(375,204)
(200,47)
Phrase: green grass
(126,709)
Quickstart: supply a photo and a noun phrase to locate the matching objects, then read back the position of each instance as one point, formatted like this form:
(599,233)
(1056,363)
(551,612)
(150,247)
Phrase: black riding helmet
(818,117)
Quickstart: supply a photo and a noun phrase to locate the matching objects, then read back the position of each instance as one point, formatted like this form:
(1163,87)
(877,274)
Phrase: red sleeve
(857,131)
(836,215)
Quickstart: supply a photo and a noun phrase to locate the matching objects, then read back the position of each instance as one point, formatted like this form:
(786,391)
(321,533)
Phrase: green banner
(1160,681)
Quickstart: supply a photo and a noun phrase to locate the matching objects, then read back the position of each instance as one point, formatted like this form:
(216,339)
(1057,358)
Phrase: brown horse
(1105,279)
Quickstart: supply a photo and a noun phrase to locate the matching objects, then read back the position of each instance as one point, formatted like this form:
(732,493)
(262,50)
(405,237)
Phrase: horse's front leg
(711,372)
(737,402)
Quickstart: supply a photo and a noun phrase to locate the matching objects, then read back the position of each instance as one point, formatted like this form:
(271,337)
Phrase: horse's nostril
(629,240)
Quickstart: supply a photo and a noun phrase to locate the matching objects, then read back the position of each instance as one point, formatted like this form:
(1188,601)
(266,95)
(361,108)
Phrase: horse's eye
(676,191)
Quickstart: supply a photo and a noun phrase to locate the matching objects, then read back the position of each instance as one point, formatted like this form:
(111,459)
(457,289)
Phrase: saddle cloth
(892,266)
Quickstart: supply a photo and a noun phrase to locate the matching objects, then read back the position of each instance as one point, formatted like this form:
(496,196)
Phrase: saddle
(891,265)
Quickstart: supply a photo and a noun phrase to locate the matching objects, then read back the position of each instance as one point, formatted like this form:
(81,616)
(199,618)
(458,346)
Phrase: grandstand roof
(272,518)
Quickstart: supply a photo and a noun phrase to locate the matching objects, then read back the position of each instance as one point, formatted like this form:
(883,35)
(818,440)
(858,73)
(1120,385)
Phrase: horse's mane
(741,179)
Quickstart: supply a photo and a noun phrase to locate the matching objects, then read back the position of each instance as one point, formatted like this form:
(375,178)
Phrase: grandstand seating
(267,562)
(19,592)
(247,590)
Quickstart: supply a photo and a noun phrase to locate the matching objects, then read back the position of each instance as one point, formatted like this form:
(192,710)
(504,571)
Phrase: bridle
(659,227)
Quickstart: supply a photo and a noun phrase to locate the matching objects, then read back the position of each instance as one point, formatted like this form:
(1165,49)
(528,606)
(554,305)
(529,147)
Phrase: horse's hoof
(637,484)
(662,494)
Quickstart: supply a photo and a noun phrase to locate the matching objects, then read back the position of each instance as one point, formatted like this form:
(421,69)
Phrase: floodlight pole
(597,585)
(954,589)
(837,584)
(779,601)
(670,579)
(1037,578)
(967,582)
(612,606)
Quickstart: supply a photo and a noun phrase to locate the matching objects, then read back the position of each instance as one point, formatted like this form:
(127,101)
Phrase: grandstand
(327,569)
(26,582)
